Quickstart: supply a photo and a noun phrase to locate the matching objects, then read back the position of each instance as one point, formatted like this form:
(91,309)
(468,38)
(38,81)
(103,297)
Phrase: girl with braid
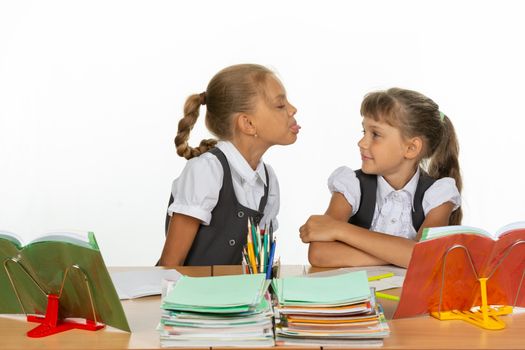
(377,214)
(225,181)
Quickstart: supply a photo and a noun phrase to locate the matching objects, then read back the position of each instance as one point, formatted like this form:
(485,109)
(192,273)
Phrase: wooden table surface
(144,313)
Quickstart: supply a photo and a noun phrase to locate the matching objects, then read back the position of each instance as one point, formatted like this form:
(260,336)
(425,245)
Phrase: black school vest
(221,242)
(368,185)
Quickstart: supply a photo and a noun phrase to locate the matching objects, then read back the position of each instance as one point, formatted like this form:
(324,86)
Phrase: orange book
(332,320)
(446,264)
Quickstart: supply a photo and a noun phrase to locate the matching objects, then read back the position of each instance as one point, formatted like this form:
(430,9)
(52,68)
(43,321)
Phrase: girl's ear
(414,148)
(245,124)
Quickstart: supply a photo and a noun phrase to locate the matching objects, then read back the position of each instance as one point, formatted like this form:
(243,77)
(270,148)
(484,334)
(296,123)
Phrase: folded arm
(339,254)
(365,247)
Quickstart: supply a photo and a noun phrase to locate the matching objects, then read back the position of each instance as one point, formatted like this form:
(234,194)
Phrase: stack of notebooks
(328,311)
(217,311)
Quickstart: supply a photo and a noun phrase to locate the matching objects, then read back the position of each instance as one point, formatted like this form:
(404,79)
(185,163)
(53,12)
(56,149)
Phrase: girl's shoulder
(207,164)
(342,179)
(441,191)
(443,184)
(343,172)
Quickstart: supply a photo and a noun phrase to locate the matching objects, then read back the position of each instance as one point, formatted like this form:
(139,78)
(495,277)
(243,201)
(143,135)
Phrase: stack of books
(328,311)
(217,311)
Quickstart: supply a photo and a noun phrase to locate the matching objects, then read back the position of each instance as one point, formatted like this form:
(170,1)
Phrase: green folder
(44,262)
(218,294)
(332,290)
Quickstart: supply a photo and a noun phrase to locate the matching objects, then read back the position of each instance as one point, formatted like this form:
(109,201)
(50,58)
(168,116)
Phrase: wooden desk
(144,314)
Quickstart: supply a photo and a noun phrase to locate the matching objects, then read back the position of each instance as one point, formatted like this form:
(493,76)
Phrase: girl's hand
(320,228)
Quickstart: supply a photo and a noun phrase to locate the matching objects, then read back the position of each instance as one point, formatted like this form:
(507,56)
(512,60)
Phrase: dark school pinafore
(222,241)
(368,184)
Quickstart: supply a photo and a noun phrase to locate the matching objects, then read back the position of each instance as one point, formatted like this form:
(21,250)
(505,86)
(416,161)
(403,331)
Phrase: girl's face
(383,149)
(274,116)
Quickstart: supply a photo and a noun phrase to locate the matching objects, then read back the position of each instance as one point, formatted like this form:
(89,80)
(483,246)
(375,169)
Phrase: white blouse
(393,211)
(196,190)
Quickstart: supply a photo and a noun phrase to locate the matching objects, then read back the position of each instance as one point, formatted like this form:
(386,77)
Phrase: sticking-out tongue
(295,128)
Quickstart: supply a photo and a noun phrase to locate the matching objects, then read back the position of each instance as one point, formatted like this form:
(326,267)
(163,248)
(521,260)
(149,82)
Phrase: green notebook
(46,260)
(332,290)
(218,294)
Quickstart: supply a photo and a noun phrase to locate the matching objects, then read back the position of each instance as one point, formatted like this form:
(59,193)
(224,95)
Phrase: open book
(84,239)
(143,282)
(447,263)
(436,232)
(67,264)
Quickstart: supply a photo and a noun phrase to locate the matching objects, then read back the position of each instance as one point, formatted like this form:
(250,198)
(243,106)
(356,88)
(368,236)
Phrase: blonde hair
(414,114)
(232,90)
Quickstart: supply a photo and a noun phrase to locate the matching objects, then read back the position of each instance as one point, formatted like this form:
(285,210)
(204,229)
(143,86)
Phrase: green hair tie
(441,116)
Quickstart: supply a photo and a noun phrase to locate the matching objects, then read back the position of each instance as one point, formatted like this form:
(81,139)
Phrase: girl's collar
(384,189)
(239,164)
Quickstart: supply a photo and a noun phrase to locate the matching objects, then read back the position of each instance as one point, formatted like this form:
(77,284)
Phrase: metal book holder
(50,323)
(485,316)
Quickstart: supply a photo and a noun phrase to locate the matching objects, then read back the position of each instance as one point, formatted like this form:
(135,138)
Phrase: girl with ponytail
(225,180)
(409,179)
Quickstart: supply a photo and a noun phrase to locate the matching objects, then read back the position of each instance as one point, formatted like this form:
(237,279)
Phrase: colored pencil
(380,277)
(251,254)
(387,296)
(270,260)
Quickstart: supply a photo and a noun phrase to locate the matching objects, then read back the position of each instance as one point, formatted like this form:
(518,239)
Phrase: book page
(510,227)
(80,238)
(436,232)
(141,283)
(13,237)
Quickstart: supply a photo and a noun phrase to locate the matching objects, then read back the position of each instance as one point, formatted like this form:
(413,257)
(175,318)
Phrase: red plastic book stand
(50,324)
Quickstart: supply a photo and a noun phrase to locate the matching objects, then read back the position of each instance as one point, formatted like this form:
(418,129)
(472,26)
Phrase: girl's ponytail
(444,162)
(191,113)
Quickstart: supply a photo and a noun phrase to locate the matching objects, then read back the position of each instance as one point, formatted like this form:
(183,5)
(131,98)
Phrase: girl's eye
(281,106)
(375,134)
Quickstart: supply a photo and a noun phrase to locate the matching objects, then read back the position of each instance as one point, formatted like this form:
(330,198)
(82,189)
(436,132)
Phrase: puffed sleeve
(273,204)
(196,191)
(442,191)
(344,181)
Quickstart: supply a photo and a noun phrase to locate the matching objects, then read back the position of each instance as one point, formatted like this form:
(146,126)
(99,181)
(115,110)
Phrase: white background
(91,93)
